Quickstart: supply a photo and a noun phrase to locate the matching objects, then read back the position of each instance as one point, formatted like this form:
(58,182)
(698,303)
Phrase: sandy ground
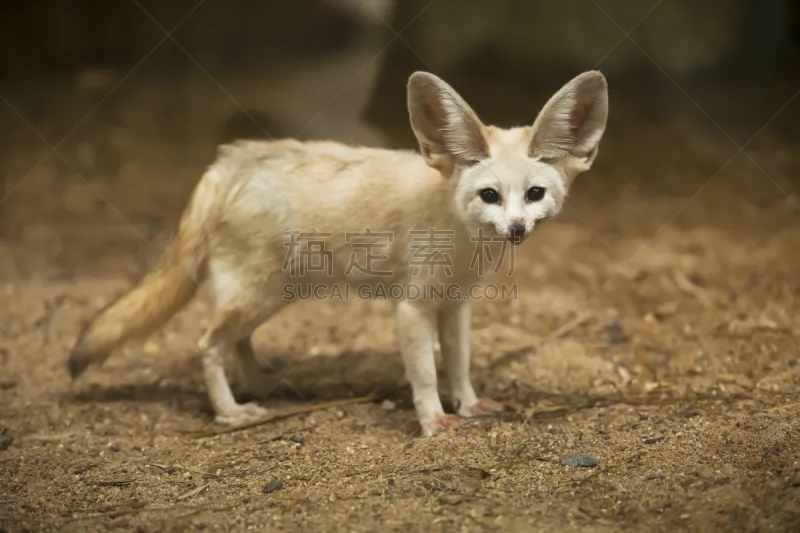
(656,328)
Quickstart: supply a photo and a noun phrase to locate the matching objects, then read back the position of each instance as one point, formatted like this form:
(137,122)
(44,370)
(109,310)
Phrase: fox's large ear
(572,122)
(448,130)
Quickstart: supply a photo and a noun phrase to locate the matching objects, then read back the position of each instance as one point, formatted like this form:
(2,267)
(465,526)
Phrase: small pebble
(272,486)
(114,448)
(653,440)
(298,439)
(388,405)
(578,459)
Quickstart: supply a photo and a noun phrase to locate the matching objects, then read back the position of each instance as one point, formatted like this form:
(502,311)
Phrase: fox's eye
(489,196)
(536,193)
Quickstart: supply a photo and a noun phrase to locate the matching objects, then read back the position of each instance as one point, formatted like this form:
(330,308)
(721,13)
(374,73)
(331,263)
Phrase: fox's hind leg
(254,378)
(242,304)
(216,349)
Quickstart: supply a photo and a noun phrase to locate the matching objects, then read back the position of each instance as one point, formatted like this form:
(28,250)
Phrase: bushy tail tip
(77,364)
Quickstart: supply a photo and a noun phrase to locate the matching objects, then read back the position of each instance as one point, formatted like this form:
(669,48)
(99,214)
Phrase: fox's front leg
(416,331)
(454,327)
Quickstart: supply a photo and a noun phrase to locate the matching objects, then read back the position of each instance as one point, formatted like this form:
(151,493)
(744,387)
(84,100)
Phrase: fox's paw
(241,413)
(439,424)
(483,407)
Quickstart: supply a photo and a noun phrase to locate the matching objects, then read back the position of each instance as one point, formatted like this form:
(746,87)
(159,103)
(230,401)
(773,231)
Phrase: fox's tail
(161,294)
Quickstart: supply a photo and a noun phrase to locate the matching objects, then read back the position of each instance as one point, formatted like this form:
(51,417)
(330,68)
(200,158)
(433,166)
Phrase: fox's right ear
(448,130)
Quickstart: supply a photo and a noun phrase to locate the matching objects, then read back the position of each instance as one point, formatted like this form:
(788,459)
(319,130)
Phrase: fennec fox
(468,179)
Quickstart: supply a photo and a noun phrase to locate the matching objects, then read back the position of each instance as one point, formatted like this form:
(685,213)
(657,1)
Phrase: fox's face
(508,180)
(509,192)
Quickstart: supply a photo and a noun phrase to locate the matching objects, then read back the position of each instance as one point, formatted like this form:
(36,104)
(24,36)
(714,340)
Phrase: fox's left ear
(569,127)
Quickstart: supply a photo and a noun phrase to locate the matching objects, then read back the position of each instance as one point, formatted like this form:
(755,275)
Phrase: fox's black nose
(516,233)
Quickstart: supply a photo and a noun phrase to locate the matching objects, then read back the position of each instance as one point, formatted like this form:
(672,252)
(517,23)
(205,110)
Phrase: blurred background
(110,111)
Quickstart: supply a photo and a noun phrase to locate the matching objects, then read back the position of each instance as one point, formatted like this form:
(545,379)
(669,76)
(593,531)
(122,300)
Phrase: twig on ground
(782,407)
(109,483)
(642,400)
(286,414)
(190,470)
(692,289)
(192,493)
(428,469)
(49,438)
(282,434)
(567,328)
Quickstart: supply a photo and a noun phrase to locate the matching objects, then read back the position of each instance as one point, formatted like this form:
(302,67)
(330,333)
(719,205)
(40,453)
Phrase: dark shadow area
(186,399)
